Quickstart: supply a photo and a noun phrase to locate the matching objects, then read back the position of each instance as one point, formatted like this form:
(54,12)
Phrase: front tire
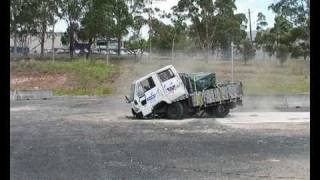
(175,111)
(137,115)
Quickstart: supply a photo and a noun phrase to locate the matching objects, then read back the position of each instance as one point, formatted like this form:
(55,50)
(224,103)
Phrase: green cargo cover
(199,81)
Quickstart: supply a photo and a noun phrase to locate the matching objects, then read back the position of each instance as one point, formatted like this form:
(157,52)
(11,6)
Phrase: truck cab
(162,87)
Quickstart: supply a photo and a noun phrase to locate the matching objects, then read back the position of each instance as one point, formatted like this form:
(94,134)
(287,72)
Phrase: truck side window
(140,92)
(147,84)
(165,75)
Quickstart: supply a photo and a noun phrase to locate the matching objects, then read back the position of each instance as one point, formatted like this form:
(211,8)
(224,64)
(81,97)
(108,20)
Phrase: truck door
(172,84)
(148,96)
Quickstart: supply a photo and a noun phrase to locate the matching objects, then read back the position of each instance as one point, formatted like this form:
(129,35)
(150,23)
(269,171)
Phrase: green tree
(178,32)
(136,46)
(297,12)
(45,16)
(201,15)
(161,38)
(261,22)
(22,24)
(72,12)
(265,40)
(247,50)
(65,38)
(283,39)
(96,20)
(282,53)
(214,24)
(123,20)
(260,38)
(136,43)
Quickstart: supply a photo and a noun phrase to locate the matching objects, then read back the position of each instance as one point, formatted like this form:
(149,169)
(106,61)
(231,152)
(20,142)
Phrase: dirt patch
(39,82)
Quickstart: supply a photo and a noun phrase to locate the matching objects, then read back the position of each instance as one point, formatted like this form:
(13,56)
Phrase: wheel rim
(221,109)
(173,110)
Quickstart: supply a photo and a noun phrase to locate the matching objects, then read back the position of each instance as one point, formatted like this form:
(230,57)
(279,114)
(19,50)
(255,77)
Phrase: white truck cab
(163,85)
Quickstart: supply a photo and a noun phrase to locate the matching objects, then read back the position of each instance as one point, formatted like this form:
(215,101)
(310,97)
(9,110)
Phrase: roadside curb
(277,101)
(30,94)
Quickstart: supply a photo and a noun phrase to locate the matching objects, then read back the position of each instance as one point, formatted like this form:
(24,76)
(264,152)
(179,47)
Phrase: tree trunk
(42,38)
(24,42)
(107,52)
(172,50)
(89,49)
(119,46)
(304,56)
(71,39)
(15,45)
(207,40)
(53,53)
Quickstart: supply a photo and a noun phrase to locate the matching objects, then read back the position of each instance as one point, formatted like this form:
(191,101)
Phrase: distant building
(33,43)
(110,43)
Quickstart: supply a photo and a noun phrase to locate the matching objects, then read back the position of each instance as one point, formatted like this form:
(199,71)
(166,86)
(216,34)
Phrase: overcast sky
(242,7)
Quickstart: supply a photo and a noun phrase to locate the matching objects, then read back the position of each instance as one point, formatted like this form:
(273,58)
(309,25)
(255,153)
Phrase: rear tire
(222,111)
(210,111)
(175,111)
(137,115)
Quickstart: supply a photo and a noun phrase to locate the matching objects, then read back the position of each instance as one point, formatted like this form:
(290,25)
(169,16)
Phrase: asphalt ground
(97,138)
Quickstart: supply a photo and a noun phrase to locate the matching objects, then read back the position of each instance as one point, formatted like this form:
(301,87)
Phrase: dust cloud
(248,74)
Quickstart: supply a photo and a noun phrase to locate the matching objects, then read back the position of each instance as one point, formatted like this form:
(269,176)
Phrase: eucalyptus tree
(282,28)
(72,12)
(46,13)
(214,24)
(247,50)
(136,43)
(178,32)
(22,24)
(261,22)
(261,30)
(123,20)
(201,14)
(297,12)
(96,21)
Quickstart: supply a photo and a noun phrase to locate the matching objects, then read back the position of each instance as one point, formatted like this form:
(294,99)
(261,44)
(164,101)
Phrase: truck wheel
(175,111)
(137,115)
(222,111)
(210,111)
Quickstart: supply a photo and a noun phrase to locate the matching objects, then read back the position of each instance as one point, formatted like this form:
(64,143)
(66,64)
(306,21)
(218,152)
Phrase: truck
(165,93)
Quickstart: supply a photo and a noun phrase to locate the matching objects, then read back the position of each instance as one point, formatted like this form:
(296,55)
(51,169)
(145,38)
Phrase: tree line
(206,25)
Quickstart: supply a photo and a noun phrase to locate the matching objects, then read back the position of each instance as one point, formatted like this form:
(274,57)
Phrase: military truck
(165,93)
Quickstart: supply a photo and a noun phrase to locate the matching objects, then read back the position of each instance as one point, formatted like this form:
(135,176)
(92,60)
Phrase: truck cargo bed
(228,92)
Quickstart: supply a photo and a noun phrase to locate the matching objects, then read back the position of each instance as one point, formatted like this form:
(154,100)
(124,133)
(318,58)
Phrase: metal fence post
(232,61)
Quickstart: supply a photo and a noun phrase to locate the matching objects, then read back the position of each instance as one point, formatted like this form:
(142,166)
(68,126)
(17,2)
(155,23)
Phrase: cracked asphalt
(96,138)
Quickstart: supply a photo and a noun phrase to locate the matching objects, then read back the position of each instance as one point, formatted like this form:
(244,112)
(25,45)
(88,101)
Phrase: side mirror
(127,99)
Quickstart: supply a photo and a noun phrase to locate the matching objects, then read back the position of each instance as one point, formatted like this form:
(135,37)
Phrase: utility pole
(250,26)
(150,29)
(53,53)
(172,47)
(107,51)
(231,61)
